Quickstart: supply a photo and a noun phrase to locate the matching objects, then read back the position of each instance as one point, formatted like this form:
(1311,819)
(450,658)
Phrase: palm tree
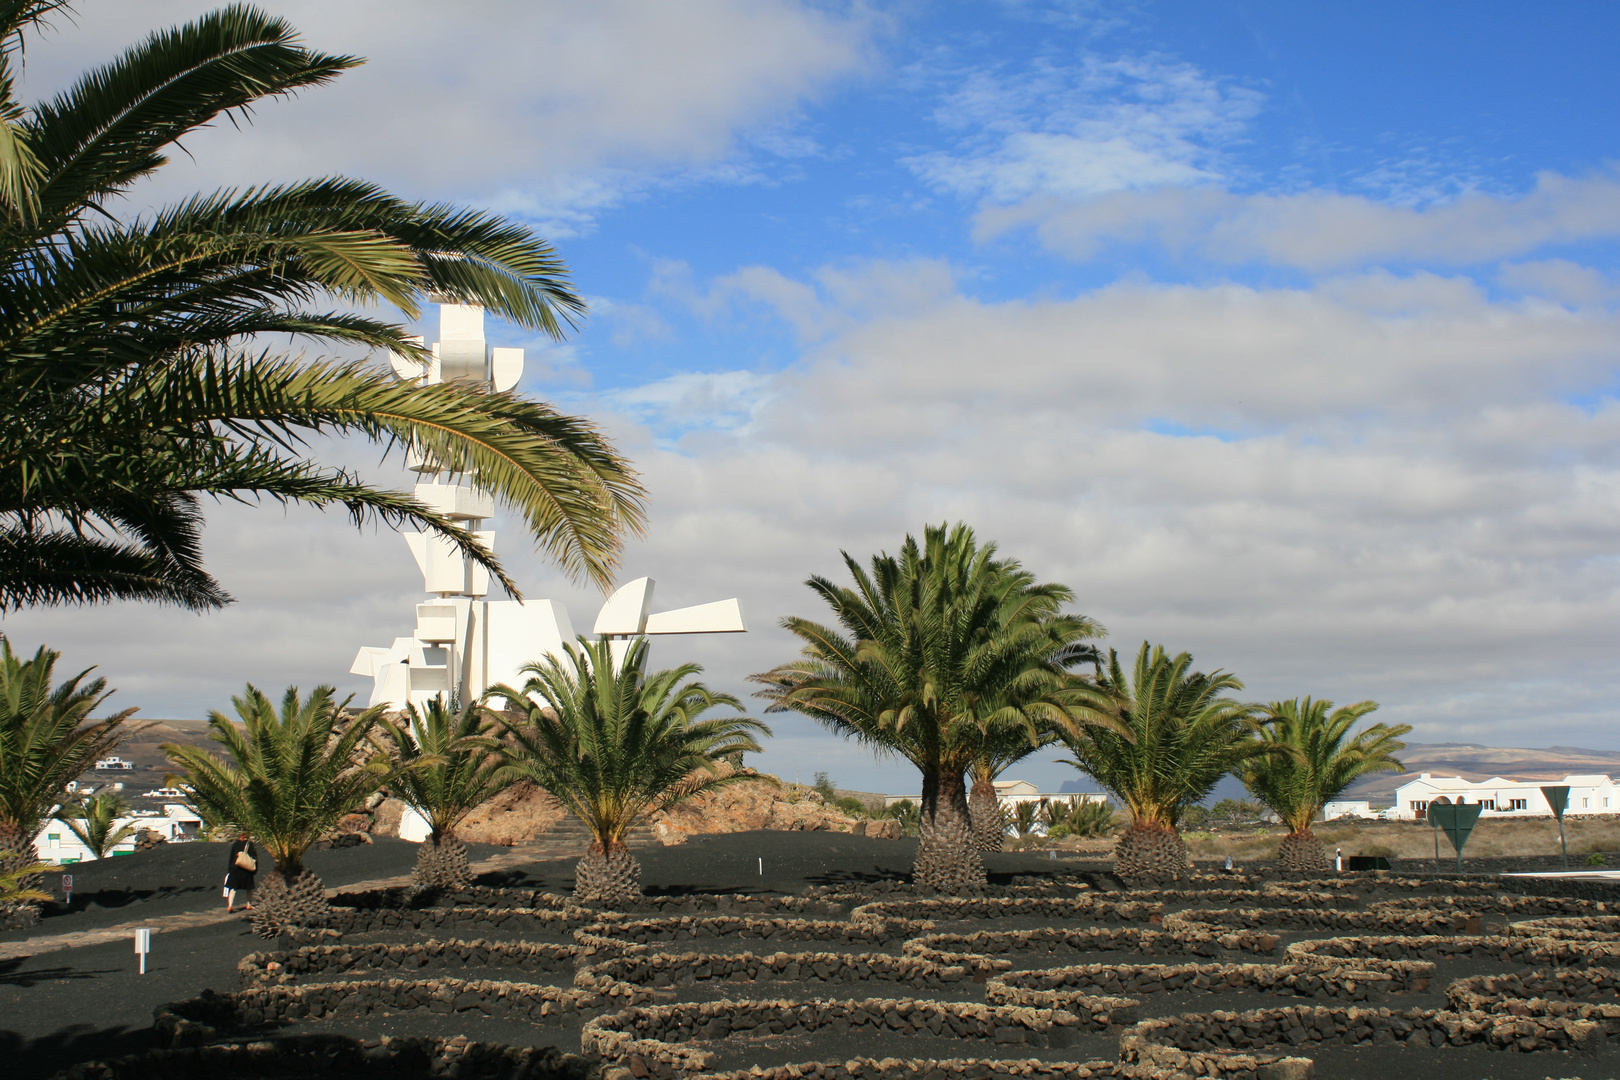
(95,822)
(998,749)
(127,385)
(1307,758)
(938,652)
(1184,734)
(47,740)
(458,767)
(617,746)
(289,778)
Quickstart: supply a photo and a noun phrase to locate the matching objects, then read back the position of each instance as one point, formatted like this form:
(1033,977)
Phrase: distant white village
(1592,793)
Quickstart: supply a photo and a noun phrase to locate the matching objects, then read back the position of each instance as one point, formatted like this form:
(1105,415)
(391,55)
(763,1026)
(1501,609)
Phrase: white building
(56,843)
(1347,808)
(114,764)
(1499,797)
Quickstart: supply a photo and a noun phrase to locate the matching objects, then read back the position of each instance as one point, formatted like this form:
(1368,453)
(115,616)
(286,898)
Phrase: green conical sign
(1557,796)
(1456,821)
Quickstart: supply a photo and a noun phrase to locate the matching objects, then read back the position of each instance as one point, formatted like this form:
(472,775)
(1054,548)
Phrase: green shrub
(852,806)
(824,786)
(1594,859)
(1091,819)
(1057,832)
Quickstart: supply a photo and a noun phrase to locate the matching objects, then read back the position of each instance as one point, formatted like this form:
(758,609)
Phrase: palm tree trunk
(989,830)
(1300,850)
(947,856)
(1151,850)
(286,897)
(607,876)
(442,863)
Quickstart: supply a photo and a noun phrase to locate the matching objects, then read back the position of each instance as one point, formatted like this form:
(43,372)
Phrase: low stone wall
(656,1041)
(1516,949)
(1058,987)
(1056,940)
(338,1058)
(648,931)
(205,1018)
(1314,919)
(1201,1044)
(282,967)
(474,919)
(862,1068)
(658,970)
(1491,992)
(1032,907)
(1502,904)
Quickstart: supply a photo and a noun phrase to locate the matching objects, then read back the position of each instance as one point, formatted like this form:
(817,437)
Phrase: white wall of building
(1588,794)
(56,843)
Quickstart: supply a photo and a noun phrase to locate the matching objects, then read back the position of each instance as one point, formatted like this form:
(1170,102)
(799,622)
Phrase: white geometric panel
(720,617)
(625,612)
(505,368)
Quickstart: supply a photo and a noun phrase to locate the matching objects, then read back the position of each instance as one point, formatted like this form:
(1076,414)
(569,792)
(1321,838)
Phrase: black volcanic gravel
(88,1002)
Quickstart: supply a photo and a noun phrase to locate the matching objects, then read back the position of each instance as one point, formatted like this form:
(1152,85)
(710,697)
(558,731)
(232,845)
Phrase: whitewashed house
(56,843)
(1500,797)
(1347,808)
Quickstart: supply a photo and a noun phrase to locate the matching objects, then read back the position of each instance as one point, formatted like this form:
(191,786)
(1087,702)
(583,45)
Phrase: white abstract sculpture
(463,643)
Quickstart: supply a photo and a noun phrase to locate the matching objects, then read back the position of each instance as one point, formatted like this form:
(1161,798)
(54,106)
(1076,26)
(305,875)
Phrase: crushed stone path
(45,943)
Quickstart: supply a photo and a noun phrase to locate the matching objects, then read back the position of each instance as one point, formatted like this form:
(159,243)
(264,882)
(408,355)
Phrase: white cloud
(1322,230)
(554,110)
(1403,507)
(1071,131)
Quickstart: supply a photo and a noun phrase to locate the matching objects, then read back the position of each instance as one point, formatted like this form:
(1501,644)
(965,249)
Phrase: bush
(824,786)
(1057,832)
(908,814)
(852,806)
(1091,819)
(1594,859)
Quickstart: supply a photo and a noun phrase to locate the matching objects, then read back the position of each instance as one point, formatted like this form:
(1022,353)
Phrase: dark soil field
(75,1004)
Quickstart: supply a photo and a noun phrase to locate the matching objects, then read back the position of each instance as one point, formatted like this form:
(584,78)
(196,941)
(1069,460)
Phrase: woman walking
(241,863)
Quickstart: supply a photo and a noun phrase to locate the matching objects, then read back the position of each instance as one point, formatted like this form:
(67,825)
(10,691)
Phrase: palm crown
(938,651)
(1176,733)
(128,390)
(290,775)
(1308,756)
(457,762)
(46,740)
(618,745)
(95,822)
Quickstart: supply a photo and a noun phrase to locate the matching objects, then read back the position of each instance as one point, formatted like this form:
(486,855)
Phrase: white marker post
(762,866)
(143,945)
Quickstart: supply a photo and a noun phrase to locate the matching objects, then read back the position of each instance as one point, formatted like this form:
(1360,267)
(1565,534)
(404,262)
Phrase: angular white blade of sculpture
(628,615)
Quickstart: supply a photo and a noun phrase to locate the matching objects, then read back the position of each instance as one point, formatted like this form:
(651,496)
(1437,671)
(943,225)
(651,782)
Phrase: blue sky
(1285,333)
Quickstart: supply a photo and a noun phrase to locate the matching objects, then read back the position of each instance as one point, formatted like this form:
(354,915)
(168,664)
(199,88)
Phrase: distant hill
(151,766)
(1474,762)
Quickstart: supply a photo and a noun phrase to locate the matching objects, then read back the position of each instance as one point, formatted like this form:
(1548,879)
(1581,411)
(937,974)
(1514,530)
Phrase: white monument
(463,643)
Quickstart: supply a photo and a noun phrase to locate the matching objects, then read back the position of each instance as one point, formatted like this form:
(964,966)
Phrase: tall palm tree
(47,740)
(458,767)
(936,651)
(617,746)
(1178,733)
(95,822)
(128,383)
(287,778)
(1307,758)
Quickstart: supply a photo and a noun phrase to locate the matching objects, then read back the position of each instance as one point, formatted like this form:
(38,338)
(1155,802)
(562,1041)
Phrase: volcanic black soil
(88,1002)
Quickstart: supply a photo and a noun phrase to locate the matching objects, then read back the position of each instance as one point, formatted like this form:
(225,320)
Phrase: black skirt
(235,877)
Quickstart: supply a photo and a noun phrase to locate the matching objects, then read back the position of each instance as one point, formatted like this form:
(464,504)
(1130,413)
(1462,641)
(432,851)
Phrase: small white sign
(143,945)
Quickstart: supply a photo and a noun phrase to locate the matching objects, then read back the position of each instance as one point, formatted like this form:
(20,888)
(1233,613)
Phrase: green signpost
(1456,821)
(1557,796)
